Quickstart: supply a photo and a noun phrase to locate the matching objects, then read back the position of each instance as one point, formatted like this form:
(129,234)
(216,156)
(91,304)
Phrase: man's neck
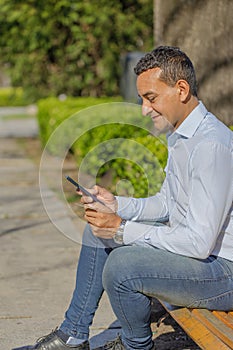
(188,108)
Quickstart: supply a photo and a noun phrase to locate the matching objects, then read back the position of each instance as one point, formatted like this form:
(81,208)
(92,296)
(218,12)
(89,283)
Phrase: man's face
(160,101)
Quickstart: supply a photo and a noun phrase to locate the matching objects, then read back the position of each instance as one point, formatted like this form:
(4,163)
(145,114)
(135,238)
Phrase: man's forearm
(142,209)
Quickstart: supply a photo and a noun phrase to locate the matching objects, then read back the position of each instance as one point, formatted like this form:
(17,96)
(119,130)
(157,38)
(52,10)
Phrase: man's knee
(117,267)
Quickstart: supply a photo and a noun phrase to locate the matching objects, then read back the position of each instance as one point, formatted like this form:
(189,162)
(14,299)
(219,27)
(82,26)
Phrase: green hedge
(11,97)
(52,111)
(114,151)
(109,152)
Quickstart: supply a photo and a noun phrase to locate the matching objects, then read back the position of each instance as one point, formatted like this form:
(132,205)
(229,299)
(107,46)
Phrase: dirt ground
(166,332)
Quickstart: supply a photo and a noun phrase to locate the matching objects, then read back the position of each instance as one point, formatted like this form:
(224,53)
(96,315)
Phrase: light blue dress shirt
(196,195)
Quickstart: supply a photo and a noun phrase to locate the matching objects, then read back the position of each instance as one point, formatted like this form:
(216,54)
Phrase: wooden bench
(211,330)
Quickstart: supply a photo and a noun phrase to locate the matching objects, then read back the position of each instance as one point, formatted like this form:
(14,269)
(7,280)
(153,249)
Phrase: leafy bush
(52,111)
(10,96)
(126,152)
(72,47)
(113,144)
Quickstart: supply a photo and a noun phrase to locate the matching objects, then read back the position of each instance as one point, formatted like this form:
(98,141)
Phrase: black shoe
(54,341)
(116,345)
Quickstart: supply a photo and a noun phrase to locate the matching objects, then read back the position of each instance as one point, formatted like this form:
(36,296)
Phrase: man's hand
(104,196)
(103,220)
(103,225)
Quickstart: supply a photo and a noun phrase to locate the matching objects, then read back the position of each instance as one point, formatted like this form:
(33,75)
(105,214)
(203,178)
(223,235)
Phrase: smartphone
(83,190)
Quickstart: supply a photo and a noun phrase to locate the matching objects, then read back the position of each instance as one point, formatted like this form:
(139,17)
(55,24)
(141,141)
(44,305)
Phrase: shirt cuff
(137,234)
(124,209)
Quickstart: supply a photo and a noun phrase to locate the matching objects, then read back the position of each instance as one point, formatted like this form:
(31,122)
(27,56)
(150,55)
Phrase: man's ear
(183,89)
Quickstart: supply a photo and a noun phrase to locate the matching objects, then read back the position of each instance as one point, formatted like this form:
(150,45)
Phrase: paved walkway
(26,127)
(37,262)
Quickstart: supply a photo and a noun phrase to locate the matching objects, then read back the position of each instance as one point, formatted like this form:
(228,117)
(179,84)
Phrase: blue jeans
(131,276)
(89,288)
(134,274)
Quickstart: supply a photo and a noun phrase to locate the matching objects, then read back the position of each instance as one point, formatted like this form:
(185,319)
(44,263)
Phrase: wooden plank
(197,330)
(211,330)
(215,326)
(225,317)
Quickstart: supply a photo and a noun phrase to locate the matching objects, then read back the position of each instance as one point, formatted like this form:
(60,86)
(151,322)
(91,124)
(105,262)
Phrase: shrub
(72,47)
(110,143)
(10,97)
(52,111)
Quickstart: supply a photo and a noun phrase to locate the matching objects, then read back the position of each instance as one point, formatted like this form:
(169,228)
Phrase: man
(188,261)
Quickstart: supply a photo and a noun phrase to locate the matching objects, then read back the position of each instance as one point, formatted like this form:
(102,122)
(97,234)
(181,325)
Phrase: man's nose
(146,110)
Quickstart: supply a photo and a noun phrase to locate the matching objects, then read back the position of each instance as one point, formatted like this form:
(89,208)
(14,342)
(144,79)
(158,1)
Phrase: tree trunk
(203,29)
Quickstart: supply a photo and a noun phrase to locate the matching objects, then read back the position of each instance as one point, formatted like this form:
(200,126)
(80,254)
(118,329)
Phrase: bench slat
(225,317)
(214,325)
(197,330)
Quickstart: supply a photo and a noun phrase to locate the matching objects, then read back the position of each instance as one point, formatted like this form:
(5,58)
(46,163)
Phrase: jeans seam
(119,299)
(170,278)
(211,299)
(129,279)
(86,295)
(121,307)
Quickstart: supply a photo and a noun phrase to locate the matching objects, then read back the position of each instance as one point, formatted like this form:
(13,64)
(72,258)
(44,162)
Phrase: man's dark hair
(174,65)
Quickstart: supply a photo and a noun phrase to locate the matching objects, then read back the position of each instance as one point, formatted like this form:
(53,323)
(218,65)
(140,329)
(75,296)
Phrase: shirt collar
(189,126)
